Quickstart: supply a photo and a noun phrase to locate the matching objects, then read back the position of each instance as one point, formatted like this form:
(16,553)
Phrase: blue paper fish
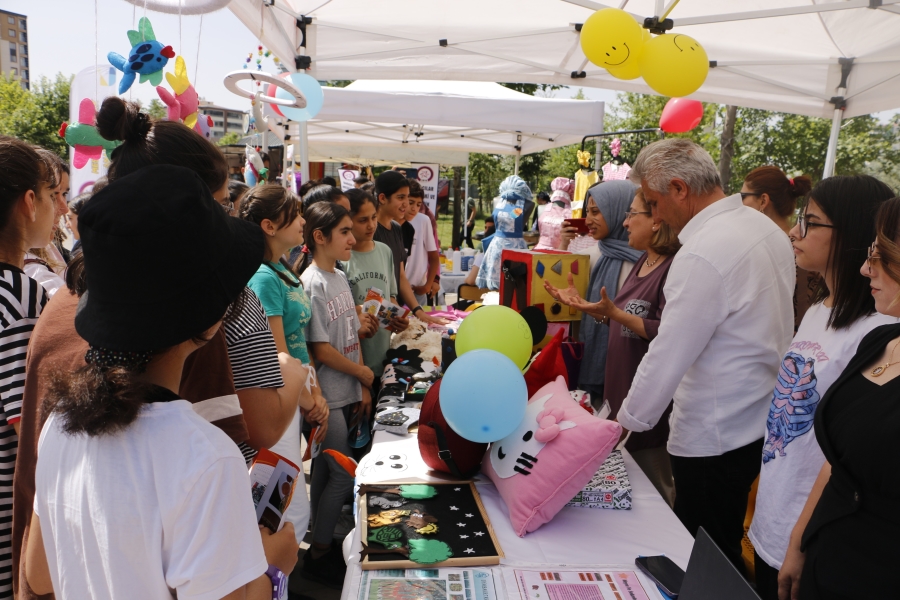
(147,57)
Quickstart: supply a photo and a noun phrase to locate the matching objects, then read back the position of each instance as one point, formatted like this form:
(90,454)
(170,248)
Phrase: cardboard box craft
(524,274)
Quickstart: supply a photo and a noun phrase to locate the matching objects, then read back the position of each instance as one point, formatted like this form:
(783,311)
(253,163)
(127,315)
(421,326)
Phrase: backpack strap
(444,449)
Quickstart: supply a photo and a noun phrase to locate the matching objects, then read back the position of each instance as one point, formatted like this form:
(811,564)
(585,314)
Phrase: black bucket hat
(162,260)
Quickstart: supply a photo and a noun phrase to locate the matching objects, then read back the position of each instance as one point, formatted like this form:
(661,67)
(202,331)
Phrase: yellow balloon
(611,38)
(674,65)
(632,69)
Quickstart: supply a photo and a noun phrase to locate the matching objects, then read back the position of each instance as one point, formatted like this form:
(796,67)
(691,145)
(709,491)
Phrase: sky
(61,38)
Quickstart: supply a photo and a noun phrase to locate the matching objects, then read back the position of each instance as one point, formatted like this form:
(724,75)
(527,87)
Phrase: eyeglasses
(745,195)
(804,223)
(632,214)
(871,257)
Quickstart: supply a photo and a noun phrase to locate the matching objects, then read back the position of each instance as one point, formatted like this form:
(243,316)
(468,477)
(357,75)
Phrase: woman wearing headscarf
(509,220)
(551,220)
(607,205)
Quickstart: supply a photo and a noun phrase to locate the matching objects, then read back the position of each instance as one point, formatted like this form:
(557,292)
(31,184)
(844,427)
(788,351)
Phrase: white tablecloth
(575,536)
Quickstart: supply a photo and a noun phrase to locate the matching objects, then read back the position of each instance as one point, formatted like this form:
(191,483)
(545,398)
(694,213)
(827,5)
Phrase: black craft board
(461,495)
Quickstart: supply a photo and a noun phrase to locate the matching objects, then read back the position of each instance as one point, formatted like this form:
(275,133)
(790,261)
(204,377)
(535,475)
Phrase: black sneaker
(329,569)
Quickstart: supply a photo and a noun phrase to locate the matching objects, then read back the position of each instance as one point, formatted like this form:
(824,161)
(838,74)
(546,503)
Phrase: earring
(655,228)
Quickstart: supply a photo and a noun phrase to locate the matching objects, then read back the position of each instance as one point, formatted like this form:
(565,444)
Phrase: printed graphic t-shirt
(367,270)
(792,458)
(334,321)
(285,301)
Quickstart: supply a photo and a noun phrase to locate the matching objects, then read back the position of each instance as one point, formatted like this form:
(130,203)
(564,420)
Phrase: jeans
(711,492)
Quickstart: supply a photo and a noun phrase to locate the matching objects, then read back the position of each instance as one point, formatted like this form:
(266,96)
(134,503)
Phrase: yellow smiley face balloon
(674,65)
(612,39)
(631,69)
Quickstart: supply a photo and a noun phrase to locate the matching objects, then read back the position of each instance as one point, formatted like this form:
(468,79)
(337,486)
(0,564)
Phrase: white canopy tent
(826,58)
(378,122)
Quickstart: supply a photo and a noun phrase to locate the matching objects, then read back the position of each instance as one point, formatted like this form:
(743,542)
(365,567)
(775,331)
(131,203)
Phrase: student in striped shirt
(27,215)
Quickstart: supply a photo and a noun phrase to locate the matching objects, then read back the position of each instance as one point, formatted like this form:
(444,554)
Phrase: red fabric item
(465,455)
(548,365)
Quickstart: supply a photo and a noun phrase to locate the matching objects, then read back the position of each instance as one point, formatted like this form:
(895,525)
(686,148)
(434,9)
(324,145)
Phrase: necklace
(655,260)
(879,370)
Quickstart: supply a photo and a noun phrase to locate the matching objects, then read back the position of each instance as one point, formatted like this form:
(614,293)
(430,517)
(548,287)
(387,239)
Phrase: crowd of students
(135,387)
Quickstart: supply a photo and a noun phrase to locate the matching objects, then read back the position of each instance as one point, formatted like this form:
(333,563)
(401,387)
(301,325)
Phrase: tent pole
(516,172)
(304,152)
(466,207)
(831,154)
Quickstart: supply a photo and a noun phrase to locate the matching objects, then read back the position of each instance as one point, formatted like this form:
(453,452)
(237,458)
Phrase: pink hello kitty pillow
(549,458)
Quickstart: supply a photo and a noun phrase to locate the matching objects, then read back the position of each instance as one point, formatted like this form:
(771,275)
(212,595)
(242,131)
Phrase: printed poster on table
(585,583)
(427,584)
(347,176)
(429,176)
(97,83)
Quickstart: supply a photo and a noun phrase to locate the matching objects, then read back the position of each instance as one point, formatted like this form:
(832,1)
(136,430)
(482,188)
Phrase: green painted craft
(418,492)
(428,552)
(389,537)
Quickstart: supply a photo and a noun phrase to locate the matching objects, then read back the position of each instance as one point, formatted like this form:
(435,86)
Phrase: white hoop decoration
(183,7)
(297,100)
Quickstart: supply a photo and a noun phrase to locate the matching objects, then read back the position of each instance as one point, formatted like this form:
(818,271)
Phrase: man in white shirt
(727,322)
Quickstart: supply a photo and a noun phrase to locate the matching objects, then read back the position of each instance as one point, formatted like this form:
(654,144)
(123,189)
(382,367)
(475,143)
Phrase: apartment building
(225,120)
(14,46)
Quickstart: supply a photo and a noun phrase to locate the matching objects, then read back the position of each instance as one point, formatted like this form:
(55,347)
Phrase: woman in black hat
(27,214)
(137,495)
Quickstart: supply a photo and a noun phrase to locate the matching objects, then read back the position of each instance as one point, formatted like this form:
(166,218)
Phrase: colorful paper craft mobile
(147,58)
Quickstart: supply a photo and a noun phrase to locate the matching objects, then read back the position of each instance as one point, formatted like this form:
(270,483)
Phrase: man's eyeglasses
(804,223)
(745,195)
(872,257)
(632,214)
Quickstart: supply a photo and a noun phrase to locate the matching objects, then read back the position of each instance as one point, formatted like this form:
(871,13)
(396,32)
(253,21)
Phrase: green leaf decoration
(418,492)
(428,552)
(389,537)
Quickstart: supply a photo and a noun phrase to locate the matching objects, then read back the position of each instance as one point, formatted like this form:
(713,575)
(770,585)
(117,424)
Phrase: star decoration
(479,533)
(461,524)
(469,515)
(469,551)
(463,537)
(456,489)
(453,508)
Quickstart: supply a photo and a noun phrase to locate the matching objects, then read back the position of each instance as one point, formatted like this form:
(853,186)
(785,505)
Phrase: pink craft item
(549,458)
(681,115)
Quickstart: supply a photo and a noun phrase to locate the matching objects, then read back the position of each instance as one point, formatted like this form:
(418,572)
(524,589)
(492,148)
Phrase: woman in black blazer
(844,544)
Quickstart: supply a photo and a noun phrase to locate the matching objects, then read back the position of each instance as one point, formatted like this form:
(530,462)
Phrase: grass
(445,230)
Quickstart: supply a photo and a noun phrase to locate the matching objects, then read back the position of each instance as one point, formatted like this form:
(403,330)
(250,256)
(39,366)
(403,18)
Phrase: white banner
(347,176)
(97,83)
(428,176)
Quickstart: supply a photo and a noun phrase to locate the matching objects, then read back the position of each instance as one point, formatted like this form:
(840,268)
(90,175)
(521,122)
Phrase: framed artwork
(404,526)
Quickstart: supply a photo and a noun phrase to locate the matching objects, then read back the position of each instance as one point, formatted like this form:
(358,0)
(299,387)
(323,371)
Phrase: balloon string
(180,43)
(197,62)
(96,56)
(144,16)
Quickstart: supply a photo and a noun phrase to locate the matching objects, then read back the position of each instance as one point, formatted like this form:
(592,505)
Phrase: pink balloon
(681,115)
(270,92)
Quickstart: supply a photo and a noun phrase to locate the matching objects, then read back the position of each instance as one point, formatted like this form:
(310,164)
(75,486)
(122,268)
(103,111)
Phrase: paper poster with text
(428,176)
(586,583)
(347,177)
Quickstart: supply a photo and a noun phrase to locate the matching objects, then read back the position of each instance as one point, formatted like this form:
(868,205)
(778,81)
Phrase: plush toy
(254,170)
(203,125)
(84,137)
(552,454)
(148,57)
(183,105)
(418,336)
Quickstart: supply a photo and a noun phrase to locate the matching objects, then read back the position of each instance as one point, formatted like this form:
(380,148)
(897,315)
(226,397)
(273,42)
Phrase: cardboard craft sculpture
(549,458)
(147,57)
(524,273)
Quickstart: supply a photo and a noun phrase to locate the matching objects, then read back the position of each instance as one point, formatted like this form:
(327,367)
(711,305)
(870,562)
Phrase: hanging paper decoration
(84,137)
(183,105)
(147,58)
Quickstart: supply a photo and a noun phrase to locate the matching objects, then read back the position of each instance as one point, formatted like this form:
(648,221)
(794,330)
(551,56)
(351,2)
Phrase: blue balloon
(314,98)
(483,396)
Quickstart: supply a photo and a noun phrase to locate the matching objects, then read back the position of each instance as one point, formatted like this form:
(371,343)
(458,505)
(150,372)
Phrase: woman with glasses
(633,319)
(835,226)
(768,190)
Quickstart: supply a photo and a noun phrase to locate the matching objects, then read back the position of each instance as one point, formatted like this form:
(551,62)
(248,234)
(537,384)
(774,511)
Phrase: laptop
(711,576)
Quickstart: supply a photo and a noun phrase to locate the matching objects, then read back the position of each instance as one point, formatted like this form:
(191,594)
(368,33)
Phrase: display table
(575,536)
(450,282)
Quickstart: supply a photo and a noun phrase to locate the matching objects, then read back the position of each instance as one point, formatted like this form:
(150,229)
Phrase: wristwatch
(417,308)
(279,583)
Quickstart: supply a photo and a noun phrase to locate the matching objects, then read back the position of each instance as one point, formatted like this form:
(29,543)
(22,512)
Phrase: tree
(35,116)
(157,110)
(532,88)
(229,139)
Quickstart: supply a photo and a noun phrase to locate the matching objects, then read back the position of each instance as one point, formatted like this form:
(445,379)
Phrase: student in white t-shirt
(136,495)
(830,238)
(424,262)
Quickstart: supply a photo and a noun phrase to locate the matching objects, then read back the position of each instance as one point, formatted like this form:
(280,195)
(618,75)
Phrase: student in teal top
(277,211)
(371,265)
